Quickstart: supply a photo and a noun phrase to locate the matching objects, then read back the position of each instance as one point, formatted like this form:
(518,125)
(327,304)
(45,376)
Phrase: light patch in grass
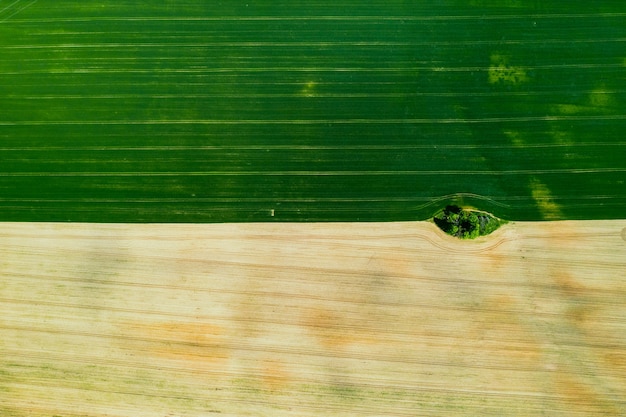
(542,195)
(562,137)
(600,97)
(515,137)
(309,89)
(501,3)
(502,72)
(569,109)
(598,101)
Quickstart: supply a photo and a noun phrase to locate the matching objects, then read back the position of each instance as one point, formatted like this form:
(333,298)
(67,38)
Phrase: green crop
(206,111)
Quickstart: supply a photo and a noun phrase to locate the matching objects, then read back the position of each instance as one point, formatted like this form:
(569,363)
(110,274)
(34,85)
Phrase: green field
(222,111)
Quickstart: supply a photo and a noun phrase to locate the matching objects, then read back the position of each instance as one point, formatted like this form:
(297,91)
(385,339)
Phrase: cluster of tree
(466,224)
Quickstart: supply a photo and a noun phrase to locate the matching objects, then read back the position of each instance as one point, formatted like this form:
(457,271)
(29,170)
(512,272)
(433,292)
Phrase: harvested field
(344,319)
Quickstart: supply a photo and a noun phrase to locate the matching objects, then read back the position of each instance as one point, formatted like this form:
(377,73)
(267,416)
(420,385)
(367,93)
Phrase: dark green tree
(466,224)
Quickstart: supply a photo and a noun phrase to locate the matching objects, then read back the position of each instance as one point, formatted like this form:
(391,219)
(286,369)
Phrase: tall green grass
(196,111)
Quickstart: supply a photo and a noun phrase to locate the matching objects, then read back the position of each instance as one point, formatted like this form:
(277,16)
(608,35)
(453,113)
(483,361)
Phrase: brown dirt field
(343,319)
